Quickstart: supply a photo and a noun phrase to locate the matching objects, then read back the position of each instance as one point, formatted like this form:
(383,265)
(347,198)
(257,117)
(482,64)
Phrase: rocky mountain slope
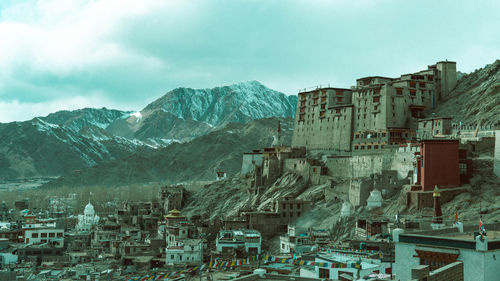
(476,98)
(199,159)
(65,141)
(38,148)
(86,117)
(184,113)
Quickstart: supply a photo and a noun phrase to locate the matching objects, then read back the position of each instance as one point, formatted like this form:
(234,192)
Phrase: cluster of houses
(373,135)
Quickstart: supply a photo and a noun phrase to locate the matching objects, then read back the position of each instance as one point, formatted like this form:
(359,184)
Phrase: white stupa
(374,200)
(346,209)
(88,220)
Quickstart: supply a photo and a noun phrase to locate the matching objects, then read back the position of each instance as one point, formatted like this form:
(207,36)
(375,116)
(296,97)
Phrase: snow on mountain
(40,148)
(66,141)
(239,102)
(78,119)
(185,113)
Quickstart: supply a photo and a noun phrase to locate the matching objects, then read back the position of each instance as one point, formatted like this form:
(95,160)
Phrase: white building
(51,236)
(480,256)
(88,220)
(296,241)
(187,251)
(176,233)
(250,240)
(367,266)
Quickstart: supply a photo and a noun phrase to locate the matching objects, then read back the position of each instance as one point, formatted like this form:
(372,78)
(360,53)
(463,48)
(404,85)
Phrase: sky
(69,54)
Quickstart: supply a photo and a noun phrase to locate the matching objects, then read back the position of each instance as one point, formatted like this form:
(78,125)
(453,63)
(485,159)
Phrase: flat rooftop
(492,235)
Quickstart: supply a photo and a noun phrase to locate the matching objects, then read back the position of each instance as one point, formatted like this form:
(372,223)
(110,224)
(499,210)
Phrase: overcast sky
(70,54)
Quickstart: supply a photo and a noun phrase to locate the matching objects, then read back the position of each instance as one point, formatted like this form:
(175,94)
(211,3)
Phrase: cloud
(16,110)
(130,52)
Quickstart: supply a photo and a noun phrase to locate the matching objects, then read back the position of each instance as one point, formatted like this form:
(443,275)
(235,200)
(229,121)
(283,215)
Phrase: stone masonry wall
(453,271)
(365,165)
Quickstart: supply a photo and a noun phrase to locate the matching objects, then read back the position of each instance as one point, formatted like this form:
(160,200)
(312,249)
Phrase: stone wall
(400,160)
(424,199)
(453,271)
(299,166)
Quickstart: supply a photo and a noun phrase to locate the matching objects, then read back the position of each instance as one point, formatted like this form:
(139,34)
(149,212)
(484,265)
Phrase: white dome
(89,209)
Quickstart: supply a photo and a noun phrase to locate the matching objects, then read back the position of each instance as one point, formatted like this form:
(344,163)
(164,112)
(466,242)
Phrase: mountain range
(187,134)
(198,160)
(184,113)
(67,142)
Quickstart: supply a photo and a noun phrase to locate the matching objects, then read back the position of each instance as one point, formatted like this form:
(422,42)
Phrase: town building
(88,220)
(439,163)
(43,235)
(171,197)
(376,112)
(189,251)
(296,241)
(440,249)
(436,127)
(248,240)
(348,266)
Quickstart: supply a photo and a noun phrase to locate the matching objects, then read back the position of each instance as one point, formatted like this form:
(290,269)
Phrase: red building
(438,164)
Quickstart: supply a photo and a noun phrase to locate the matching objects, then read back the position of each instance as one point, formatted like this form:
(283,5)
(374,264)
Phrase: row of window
(362,147)
(290,214)
(40,252)
(44,235)
(374,135)
(172,257)
(290,204)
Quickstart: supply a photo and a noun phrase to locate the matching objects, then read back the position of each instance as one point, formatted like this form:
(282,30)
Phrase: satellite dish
(369,136)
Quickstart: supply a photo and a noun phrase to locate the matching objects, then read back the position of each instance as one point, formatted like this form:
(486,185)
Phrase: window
(59,234)
(324,273)
(463,168)
(291,214)
(34,235)
(43,234)
(52,235)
